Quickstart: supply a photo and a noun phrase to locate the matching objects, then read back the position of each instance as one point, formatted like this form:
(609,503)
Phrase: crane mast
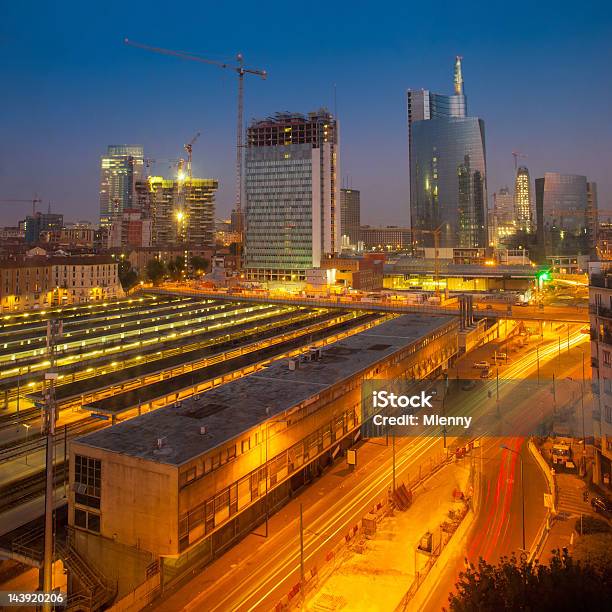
(241,70)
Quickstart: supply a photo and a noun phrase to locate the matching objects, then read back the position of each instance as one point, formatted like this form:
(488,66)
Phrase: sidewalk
(238,563)
(390,557)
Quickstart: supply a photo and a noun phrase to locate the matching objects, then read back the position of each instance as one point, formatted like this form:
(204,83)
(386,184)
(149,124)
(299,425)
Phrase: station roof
(236,407)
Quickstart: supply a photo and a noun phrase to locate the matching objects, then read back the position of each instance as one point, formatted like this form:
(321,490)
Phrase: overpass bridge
(518,313)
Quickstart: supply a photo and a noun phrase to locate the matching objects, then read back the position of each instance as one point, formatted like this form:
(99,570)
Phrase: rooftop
(238,406)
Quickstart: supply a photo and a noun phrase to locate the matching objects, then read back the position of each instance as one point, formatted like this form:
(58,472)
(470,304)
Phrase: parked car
(482,365)
(602,506)
(486,373)
(468,385)
(500,356)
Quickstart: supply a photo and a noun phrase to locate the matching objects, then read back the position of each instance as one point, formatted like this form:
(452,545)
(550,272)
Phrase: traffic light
(543,276)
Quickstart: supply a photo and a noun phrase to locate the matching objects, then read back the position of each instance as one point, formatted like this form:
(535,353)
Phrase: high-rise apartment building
(448,185)
(350,214)
(292,214)
(523,200)
(181,210)
(120,168)
(566,206)
(36,224)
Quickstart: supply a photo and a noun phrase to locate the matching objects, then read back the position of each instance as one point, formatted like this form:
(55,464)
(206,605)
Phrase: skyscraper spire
(458,76)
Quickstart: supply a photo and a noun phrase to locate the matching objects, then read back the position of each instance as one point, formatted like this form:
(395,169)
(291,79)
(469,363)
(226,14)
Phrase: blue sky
(538,73)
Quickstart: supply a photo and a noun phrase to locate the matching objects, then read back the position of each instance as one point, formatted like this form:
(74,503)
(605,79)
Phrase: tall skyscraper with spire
(448,185)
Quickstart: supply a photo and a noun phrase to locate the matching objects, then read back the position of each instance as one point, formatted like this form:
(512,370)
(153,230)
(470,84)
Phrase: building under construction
(181,210)
(292,194)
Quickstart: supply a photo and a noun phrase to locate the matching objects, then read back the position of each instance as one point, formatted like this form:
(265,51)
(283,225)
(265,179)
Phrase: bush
(592,524)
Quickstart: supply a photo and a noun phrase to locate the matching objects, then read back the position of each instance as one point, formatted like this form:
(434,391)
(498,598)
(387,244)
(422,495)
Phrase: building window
(606,358)
(87,480)
(87,520)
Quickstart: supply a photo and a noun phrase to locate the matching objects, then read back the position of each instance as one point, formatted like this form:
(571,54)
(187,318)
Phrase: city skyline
(564,138)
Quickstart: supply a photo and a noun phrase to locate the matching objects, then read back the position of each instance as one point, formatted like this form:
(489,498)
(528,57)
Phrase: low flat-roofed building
(179,485)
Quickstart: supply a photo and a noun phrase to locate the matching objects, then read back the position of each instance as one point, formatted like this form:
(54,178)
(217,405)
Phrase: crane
(189,149)
(241,70)
(517,155)
(33,201)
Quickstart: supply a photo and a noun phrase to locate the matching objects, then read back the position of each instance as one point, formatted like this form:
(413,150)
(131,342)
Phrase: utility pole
(301,545)
(54,331)
(393,432)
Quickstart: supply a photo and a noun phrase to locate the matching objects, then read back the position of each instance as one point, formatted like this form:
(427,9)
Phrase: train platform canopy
(238,406)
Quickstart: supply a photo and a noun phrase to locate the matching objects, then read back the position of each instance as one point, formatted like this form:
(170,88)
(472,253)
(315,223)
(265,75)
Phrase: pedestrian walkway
(376,576)
(571,501)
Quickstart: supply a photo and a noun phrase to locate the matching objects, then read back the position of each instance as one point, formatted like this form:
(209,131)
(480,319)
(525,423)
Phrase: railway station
(157,496)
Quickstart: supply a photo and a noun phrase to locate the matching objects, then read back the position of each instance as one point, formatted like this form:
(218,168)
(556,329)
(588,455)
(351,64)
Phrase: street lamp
(522,489)
(27,428)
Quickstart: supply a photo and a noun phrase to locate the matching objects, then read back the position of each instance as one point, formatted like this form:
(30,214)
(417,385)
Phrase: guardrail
(544,530)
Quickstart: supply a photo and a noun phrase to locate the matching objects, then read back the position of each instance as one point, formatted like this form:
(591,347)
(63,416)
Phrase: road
(257,572)
(497,530)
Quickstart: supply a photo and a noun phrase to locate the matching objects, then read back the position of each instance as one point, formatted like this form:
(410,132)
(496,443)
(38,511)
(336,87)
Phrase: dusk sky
(539,74)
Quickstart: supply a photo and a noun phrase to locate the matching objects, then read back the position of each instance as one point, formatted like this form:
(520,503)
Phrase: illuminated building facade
(566,206)
(120,168)
(181,210)
(523,200)
(350,213)
(174,488)
(600,309)
(448,186)
(292,216)
(42,282)
(503,218)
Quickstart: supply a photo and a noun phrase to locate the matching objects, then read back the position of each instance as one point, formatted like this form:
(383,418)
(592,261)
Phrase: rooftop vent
(203,430)
(161,442)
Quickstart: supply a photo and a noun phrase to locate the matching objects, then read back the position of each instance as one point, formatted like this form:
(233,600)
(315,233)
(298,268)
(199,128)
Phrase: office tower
(566,206)
(181,210)
(448,186)
(350,214)
(120,168)
(503,218)
(522,200)
(292,195)
(34,225)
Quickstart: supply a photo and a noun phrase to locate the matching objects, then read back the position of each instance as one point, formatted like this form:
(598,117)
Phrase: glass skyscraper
(566,206)
(292,212)
(448,184)
(120,168)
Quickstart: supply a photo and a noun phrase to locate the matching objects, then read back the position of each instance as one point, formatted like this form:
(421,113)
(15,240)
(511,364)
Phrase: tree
(564,584)
(176,267)
(155,270)
(128,277)
(199,265)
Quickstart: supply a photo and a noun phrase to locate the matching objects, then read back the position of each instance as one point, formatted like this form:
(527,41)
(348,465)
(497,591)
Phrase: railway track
(19,492)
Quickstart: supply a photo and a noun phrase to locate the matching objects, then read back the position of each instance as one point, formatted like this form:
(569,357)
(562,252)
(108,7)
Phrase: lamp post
(522,489)
(27,428)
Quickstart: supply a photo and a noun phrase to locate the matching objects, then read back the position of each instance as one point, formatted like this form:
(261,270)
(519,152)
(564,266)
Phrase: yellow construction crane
(241,71)
(33,202)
